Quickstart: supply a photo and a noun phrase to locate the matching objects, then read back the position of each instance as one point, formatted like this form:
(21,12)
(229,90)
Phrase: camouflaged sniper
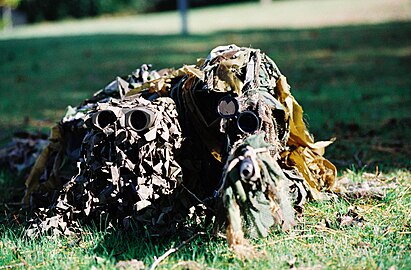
(224,135)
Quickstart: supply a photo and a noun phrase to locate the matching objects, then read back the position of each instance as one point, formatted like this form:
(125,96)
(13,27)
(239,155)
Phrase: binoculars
(138,119)
(246,121)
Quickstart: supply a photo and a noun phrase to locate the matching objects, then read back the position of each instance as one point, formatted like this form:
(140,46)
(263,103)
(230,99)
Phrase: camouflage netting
(224,135)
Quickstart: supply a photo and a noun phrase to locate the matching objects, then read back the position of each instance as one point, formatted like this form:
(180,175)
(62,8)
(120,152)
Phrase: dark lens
(138,120)
(248,122)
(104,118)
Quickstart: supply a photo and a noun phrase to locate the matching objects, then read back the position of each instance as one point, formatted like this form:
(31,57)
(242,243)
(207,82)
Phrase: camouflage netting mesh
(224,135)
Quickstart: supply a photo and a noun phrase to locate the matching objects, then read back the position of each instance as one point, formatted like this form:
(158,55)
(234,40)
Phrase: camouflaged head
(234,95)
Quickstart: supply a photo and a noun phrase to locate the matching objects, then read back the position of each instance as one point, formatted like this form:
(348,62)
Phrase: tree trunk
(7,18)
(183,7)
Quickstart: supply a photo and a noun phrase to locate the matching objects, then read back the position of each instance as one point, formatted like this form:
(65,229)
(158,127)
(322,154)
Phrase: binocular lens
(104,118)
(227,107)
(137,120)
(248,122)
(140,119)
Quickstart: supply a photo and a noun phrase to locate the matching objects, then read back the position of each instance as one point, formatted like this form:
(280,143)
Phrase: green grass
(381,242)
(353,83)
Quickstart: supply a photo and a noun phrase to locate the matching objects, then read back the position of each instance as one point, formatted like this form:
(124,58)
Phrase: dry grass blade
(172,250)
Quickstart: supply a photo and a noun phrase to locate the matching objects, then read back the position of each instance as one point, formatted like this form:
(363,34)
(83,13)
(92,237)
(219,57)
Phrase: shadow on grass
(123,246)
(352,81)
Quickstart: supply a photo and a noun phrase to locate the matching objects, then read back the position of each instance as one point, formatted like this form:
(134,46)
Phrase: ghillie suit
(238,107)
(224,135)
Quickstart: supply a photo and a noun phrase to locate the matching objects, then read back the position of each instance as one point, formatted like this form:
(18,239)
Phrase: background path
(278,14)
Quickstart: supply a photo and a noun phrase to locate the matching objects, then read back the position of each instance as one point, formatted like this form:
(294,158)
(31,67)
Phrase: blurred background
(348,61)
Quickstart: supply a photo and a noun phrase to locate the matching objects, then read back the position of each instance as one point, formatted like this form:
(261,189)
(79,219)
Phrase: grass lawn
(353,82)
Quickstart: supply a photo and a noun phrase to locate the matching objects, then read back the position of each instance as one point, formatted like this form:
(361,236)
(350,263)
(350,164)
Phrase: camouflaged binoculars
(246,121)
(138,119)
